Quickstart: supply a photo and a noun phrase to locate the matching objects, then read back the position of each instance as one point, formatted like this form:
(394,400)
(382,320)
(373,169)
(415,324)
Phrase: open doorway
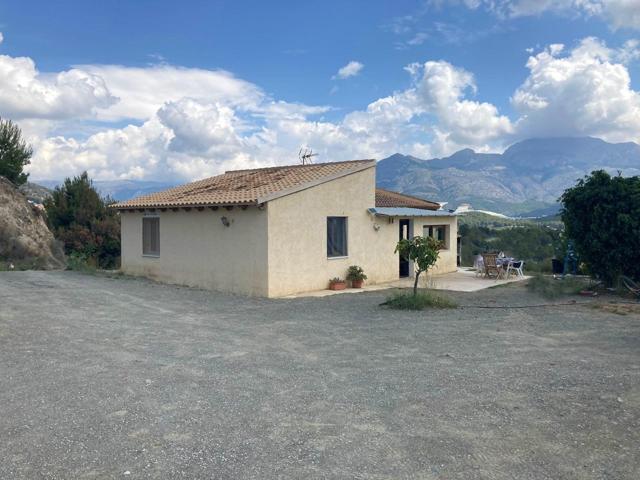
(404,233)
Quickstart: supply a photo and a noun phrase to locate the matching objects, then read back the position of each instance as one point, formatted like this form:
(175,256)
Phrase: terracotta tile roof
(387,198)
(246,187)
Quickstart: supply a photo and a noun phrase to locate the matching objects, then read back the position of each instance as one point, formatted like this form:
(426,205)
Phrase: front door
(404,234)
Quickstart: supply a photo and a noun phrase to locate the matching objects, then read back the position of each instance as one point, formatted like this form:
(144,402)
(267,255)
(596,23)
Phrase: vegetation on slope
(534,241)
(15,153)
(81,219)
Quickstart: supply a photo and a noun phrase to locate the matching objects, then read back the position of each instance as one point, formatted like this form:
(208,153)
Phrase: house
(278,231)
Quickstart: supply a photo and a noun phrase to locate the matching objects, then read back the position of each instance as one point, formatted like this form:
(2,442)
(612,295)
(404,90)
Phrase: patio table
(503,263)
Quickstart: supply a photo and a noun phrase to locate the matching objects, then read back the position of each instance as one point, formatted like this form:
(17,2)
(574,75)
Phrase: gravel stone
(108,377)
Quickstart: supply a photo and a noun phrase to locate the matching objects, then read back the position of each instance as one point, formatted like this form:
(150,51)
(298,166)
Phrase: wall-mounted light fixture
(225,221)
(376,226)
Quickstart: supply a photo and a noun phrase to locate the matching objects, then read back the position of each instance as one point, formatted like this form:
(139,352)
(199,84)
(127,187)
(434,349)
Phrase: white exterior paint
(196,249)
(280,249)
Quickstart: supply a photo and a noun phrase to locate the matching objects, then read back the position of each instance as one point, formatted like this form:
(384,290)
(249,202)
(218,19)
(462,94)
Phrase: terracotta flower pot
(588,293)
(337,286)
(356,283)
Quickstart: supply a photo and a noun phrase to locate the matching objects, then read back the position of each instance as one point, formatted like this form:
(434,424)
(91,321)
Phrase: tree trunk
(415,284)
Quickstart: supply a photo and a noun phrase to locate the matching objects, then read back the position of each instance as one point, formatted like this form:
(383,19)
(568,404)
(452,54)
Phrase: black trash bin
(557,266)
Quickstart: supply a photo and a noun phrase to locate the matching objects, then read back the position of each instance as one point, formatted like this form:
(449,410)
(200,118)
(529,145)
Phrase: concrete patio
(463,280)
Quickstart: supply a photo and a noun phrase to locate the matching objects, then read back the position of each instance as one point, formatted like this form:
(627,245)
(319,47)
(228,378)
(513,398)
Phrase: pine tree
(14,153)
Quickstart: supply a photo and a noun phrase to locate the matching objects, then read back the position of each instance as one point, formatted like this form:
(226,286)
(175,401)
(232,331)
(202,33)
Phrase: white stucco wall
(298,236)
(196,249)
(447,260)
(280,249)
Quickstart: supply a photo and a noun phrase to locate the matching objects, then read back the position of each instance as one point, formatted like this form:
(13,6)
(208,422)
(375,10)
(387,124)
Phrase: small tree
(14,153)
(423,251)
(601,215)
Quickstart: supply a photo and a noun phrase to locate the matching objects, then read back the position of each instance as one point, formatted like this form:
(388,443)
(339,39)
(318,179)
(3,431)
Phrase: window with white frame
(151,236)
(438,232)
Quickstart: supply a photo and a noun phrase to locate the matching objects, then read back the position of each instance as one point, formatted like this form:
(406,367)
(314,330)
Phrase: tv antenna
(305,155)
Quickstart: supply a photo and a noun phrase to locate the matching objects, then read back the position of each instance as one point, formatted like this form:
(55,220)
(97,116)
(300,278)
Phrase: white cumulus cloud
(618,13)
(142,91)
(462,122)
(168,122)
(27,93)
(351,69)
(583,92)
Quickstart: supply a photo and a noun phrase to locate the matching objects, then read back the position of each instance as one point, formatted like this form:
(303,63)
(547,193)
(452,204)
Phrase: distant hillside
(480,219)
(120,189)
(526,179)
(34,192)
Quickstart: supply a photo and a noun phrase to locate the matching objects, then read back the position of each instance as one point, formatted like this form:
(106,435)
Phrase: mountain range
(525,180)
(117,189)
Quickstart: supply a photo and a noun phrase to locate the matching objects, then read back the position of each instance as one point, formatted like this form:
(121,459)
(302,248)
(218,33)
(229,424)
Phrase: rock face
(25,239)
(34,192)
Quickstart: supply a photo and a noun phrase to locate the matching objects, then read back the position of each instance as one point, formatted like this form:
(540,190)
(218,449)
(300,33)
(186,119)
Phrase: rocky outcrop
(25,239)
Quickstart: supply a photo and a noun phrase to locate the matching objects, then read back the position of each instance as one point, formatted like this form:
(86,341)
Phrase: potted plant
(356,276)
(337,284)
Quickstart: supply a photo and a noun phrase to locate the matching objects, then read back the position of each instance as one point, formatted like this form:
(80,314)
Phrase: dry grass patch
(550,287)
(618,308)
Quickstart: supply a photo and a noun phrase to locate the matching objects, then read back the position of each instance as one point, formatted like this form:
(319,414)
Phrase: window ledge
(150,255)
(338,258)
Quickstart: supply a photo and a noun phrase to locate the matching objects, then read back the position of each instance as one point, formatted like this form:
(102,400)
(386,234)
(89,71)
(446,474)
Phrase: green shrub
(82,221)
(543,266)
(420,301)
(80,262)
(601,215)
(424,252)
(550,287)
(355,273)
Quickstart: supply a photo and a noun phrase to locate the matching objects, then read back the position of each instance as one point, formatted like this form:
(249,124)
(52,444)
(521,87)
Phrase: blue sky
(279,63)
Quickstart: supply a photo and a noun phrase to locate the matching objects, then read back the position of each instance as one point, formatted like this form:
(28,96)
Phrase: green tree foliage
(14,153)
(535,244)
(79,217)
(423,251)
(601,215)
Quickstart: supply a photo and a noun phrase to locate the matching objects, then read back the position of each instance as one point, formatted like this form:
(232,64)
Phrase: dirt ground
(125,378)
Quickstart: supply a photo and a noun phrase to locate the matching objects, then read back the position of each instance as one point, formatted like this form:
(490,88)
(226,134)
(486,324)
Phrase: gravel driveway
(125,378)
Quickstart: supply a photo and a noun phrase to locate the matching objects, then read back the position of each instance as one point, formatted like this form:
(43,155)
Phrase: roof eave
(182,205)
(409,212)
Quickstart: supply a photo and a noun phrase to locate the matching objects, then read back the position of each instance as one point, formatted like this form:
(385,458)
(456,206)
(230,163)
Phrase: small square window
(438,232)
(337,237)
(151,236)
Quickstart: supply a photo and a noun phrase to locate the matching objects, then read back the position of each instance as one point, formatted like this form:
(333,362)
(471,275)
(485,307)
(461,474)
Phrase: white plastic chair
(516,267)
